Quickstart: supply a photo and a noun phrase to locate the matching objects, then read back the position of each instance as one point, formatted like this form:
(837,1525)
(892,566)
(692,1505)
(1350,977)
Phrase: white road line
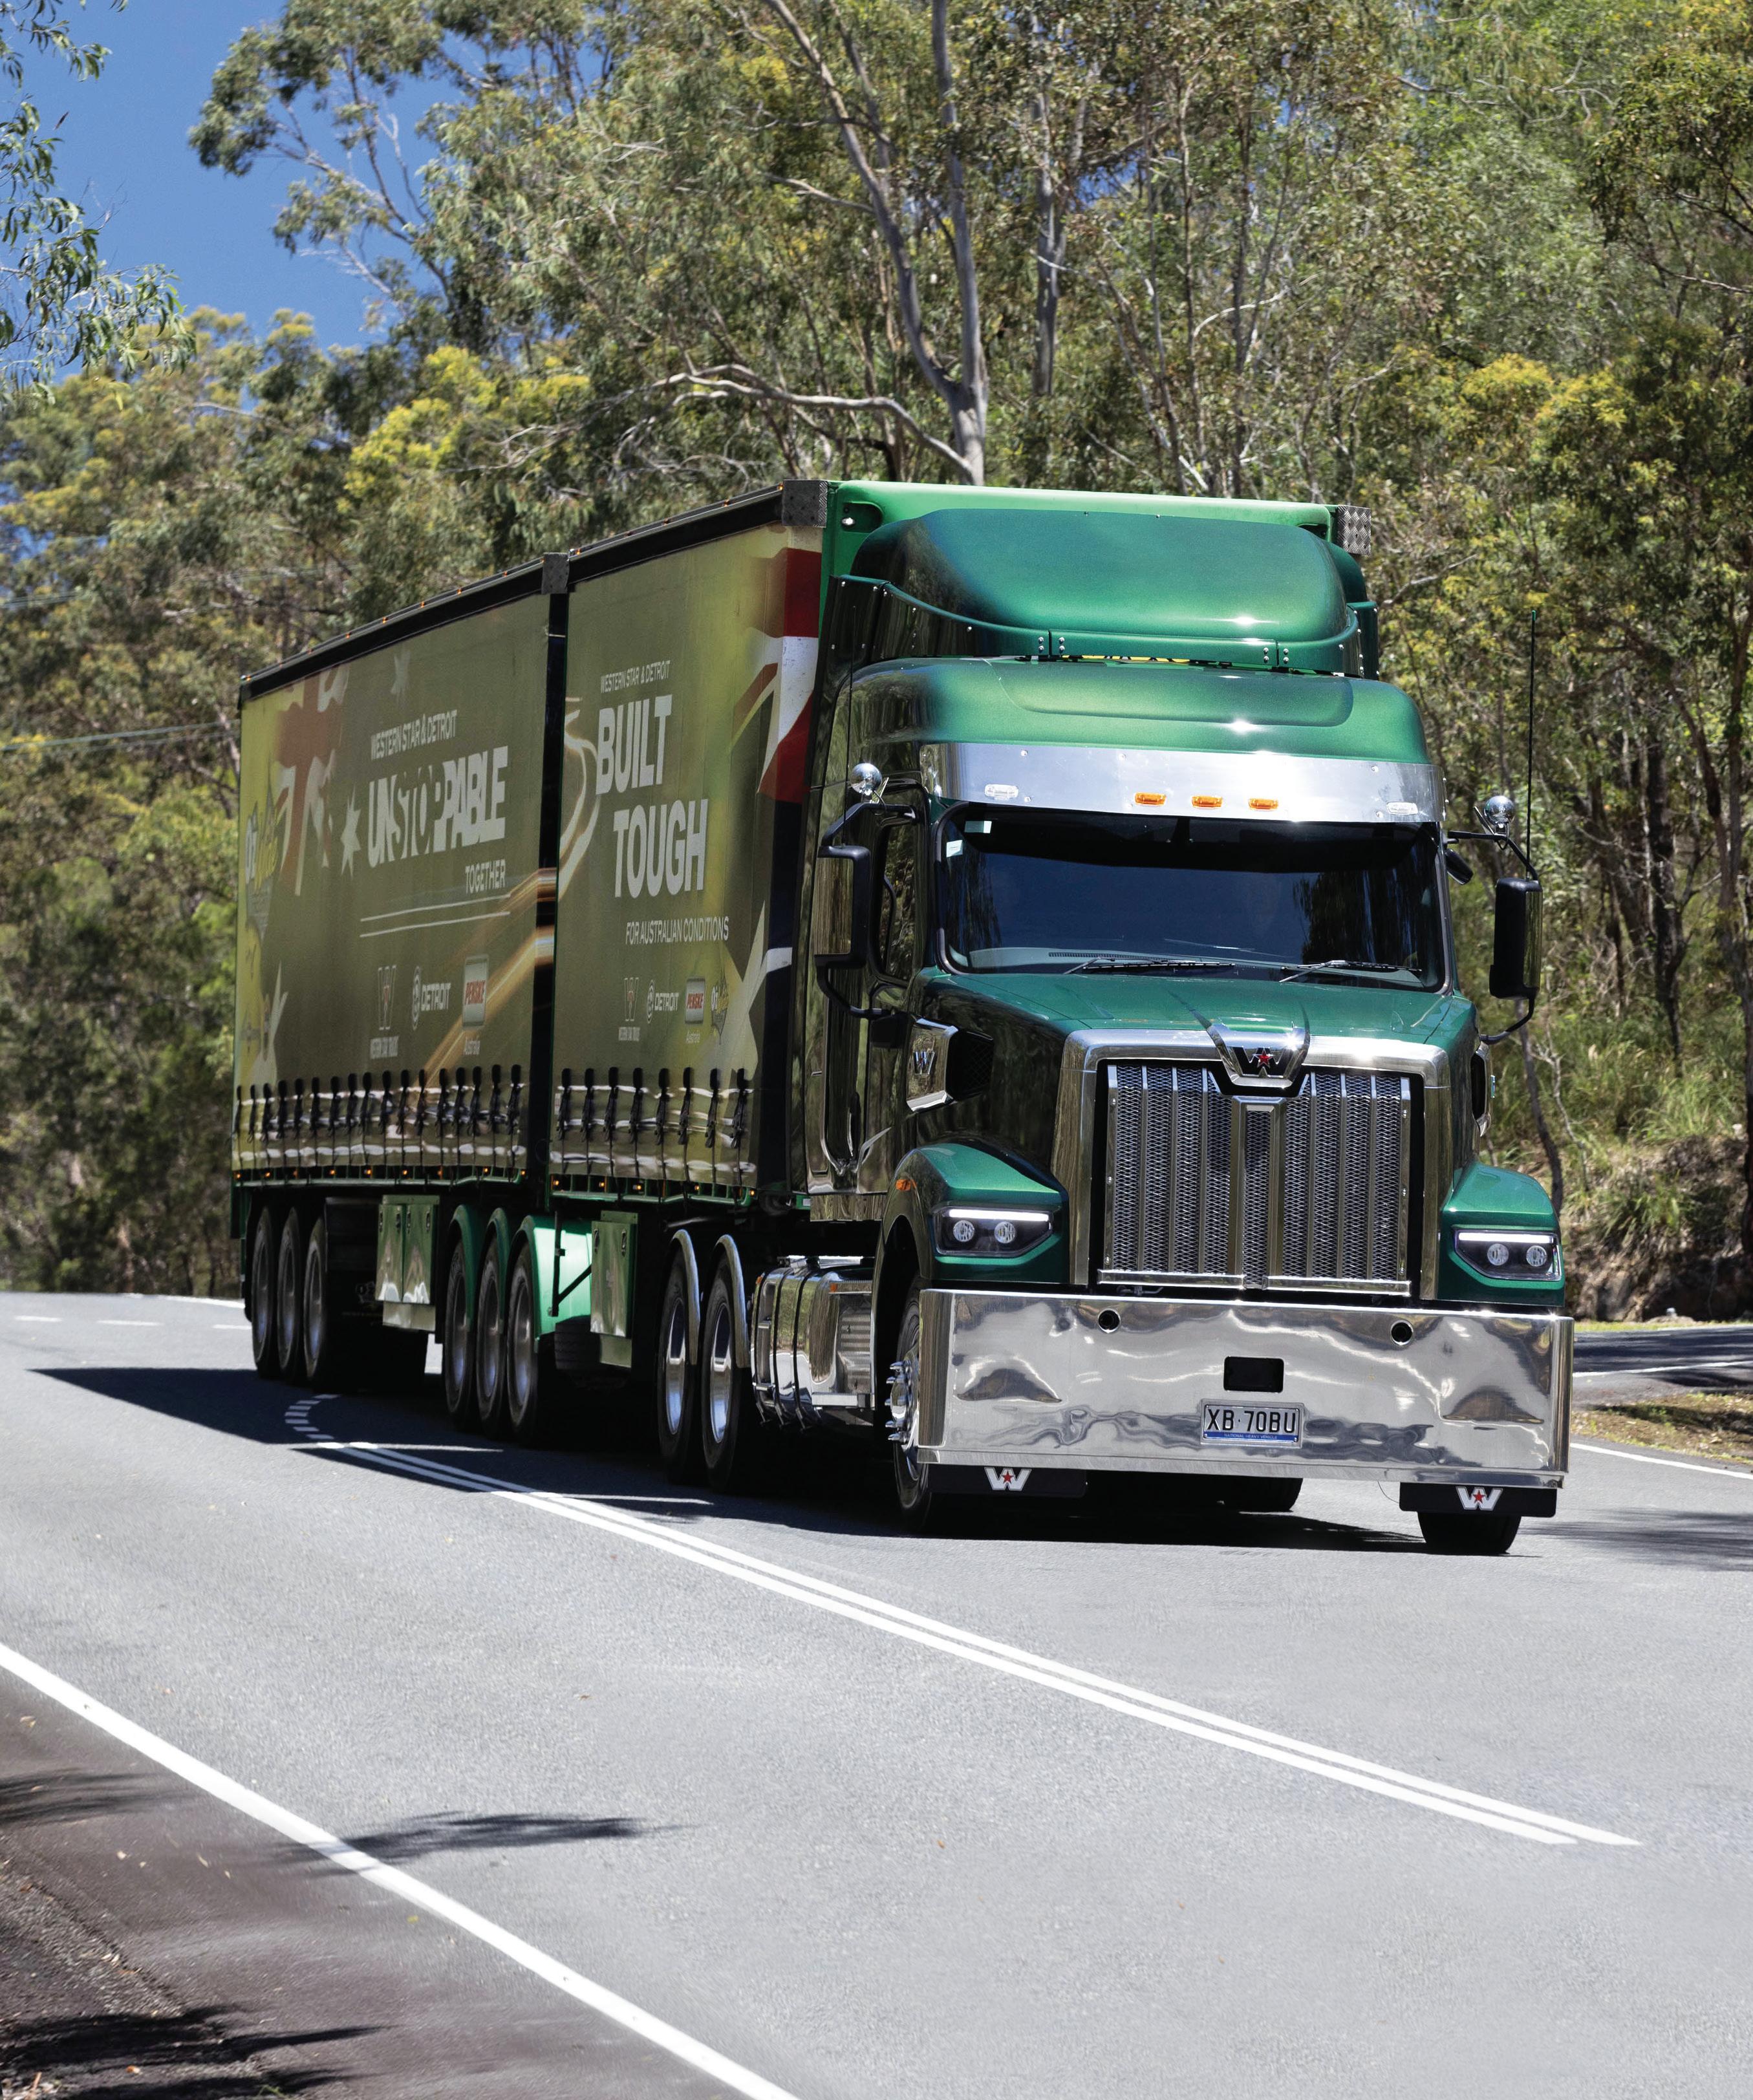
(1726,1471)
(131,1323)
(1691,1363)
(38,1319)
(234,1795)
(903,1624)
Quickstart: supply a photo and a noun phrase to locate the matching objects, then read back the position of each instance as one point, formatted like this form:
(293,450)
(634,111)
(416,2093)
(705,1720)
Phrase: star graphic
(350,836)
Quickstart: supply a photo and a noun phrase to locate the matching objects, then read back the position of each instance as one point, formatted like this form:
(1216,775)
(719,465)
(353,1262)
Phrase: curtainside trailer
(967,971)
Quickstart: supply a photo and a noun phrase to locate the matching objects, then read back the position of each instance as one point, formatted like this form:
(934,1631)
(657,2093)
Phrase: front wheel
(912,1475)
(1487,1532)
(532,1382)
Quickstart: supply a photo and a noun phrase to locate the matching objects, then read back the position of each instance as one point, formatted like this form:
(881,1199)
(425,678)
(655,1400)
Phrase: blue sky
(124,154)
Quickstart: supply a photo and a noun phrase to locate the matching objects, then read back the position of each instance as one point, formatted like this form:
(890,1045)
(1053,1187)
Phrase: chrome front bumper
(1100,1383)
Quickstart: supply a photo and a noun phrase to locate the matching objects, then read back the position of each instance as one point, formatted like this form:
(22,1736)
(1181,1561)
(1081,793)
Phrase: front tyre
(913,1494)
(1486,1533)
(289,1300)
(731,1437)
(532,1382)
(264,1338)
(678,1399)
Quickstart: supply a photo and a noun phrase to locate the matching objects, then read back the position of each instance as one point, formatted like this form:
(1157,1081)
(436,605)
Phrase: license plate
(1239,1422)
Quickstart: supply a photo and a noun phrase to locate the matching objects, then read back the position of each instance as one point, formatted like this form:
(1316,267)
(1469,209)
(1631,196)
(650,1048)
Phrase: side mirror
(1515,939)
(840,932)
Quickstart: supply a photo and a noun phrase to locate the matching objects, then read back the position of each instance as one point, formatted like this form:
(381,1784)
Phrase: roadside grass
(1708,1425)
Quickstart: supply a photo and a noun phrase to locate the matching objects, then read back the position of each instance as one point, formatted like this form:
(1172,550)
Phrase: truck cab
(1133,1024)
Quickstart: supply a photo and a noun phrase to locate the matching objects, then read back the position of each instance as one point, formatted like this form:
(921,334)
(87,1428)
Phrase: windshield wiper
(1124,965)
(1344,963)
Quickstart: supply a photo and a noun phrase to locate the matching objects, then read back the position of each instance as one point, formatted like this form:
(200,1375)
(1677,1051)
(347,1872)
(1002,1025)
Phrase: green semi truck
(970,971)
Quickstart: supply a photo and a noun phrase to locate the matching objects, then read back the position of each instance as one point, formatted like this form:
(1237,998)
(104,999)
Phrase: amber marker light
(1147,800)
(1263,801)
(1208,801)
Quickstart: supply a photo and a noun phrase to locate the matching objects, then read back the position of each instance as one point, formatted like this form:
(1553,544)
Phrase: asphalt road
(522,1774)
(1645,1364)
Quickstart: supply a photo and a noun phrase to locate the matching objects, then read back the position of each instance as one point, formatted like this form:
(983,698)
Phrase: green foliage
(1484,269)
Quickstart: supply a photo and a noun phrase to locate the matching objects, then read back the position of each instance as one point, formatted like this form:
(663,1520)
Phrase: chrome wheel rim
(903,1414)
(676,1372)
(721,1371)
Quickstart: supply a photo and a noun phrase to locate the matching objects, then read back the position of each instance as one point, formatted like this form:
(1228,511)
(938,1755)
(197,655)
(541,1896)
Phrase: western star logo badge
(1261,1056)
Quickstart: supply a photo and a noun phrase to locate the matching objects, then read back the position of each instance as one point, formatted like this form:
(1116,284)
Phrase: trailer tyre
(264,1338)
(531,1381)
(678,1440)
(913,1495)
(289,1300)
(490,1378)
(732,1437)
(1481,1534)
(458,1343)
(322,1347)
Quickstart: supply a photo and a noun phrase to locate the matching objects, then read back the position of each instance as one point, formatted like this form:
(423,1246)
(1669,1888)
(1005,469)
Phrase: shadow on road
(151,2056)
(480,1833)
(74,1797)
(1681,1538)
(817,1488)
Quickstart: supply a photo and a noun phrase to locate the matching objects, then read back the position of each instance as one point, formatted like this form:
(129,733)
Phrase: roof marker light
(1208,801)
(1263,801)
(1148,799)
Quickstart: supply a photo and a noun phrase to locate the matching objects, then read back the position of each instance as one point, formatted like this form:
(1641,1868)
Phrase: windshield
(1024,890)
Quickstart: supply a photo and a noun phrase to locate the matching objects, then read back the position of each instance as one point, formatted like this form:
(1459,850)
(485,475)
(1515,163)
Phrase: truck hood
(1065,1004)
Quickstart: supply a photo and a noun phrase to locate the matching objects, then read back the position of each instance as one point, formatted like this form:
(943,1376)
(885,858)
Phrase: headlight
(962,1229)
(1529,1256)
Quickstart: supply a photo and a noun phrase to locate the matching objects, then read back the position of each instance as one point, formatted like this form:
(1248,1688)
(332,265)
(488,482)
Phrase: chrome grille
(1279,1191)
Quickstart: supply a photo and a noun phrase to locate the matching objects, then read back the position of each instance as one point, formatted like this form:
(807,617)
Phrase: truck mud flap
(1008,1479)
(1438,1497)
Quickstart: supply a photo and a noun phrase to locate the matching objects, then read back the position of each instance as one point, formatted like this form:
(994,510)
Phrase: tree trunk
(1555,1165)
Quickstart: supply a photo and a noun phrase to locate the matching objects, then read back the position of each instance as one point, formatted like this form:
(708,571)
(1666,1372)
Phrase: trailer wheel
(912,1475)
(490,1380)
(730,1431)
(321,1345)
(678,1442)
(531,1381)
(264,1337)
(289,1300)
(1487,1533)
(457,1342)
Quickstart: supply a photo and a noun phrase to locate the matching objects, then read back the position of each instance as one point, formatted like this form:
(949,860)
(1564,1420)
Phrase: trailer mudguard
(576,1246)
